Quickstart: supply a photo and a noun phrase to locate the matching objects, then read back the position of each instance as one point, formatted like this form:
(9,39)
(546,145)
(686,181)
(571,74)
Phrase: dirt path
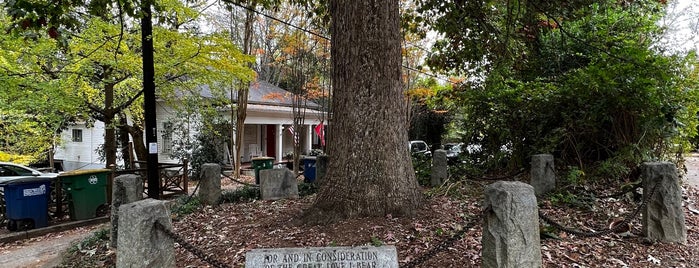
(692,176)
(43,251)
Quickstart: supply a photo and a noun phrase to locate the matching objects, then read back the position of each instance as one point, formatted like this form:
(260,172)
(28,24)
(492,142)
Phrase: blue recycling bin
(309,168)
(27,203)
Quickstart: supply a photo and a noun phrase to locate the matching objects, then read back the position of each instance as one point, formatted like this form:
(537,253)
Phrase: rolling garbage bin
(309,169)
(86,190)
(259,163)
(27,202)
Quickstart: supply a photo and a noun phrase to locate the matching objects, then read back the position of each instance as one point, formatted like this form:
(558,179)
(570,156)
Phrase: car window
(6,171)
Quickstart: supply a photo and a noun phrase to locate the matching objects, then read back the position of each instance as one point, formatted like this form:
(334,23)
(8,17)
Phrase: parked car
(454,150)
(419,147)
(11,171)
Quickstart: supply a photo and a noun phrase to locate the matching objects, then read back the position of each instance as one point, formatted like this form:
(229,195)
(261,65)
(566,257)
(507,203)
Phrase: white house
(269,117)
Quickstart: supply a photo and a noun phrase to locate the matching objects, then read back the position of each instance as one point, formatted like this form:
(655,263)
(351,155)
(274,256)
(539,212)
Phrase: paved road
(40,254)
(692,176)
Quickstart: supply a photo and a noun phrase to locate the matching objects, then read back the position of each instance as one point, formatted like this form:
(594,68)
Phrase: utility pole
(149,101)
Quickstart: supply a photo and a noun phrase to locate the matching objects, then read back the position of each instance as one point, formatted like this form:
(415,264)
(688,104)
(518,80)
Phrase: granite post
(511,228)
(141,245)
(663,216)
(439,168)
(210,184)
(543,178)
(278,183)
(125,189)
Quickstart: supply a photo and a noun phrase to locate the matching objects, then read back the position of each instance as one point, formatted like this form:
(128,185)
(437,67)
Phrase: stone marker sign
(323,257)
(278,184)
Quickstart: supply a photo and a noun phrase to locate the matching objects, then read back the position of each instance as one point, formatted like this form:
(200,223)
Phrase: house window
(77,135)
(167,138)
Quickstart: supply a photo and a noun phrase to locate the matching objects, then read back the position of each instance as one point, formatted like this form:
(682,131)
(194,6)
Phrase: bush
(243,194)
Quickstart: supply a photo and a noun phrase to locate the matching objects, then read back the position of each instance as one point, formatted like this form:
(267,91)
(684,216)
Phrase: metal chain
(615,228)
(189,247)
(234,180)
(458,171)
(442,246)
(614,195)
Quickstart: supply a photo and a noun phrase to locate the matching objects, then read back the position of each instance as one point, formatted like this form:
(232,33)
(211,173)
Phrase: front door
(270,136)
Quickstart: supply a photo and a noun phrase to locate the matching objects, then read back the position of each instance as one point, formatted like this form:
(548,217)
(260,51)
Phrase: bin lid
(84,172)
(23,180)
(263,158)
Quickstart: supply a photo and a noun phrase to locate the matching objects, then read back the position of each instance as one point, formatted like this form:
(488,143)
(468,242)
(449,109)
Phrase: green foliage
(592,89)
(375,241)
(575,176)
(571,199)
(207,150)
(98,236)
(250,193)
(89,252)
(185,205)
(243,194)
(92,71)
(422,165)
(306,189)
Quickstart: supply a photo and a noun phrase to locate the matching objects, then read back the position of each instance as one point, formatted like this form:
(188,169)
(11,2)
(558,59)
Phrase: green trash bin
(86,190)
(259,163)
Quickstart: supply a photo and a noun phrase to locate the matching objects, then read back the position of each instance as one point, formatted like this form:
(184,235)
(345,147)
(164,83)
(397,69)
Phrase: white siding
(82,154)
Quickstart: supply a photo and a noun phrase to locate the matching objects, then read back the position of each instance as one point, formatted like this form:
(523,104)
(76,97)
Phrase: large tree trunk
(369,171)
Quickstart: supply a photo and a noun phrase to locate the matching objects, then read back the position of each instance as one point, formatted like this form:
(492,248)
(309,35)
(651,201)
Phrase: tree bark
(139,144)
(369,171)
(242,101)
(109,131)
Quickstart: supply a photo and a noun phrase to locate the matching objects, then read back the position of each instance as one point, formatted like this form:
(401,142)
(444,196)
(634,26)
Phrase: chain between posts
(237,181)
(615,228)
(189,247)
(443,245)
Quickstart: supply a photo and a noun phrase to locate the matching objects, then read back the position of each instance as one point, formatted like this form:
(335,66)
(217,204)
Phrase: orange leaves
(419,93)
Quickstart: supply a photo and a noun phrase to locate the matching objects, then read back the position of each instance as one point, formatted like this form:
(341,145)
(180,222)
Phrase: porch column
(308,139)
(280,146)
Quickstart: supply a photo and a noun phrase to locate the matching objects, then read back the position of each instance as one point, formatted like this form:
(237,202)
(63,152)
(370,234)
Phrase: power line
(322,36)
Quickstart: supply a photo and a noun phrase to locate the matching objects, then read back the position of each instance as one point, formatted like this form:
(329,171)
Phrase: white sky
(683,23)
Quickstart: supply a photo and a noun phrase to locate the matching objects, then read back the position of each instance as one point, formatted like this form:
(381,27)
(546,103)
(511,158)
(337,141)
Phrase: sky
(683,24)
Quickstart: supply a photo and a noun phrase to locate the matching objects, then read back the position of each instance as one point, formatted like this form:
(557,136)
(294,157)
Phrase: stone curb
(15,236)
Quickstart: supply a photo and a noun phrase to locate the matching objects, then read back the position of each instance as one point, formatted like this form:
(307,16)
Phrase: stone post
(663,216)
(439,168)
(278,183)
(321,167)
(511,228)
(141,245)
(543,178)
(210,184)
(125,189)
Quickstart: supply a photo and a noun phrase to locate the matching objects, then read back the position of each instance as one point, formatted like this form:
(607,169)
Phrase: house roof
(263,93)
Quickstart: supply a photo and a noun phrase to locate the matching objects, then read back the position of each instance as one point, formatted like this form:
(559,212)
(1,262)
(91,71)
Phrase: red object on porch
(321,133)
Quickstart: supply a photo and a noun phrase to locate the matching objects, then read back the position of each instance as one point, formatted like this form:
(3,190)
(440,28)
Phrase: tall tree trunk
(109,131)
(123,137)
(243,91)
(139,144)
(369,171)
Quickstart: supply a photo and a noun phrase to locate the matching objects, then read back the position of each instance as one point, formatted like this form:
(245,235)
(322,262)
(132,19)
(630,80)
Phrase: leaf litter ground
(228,231)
